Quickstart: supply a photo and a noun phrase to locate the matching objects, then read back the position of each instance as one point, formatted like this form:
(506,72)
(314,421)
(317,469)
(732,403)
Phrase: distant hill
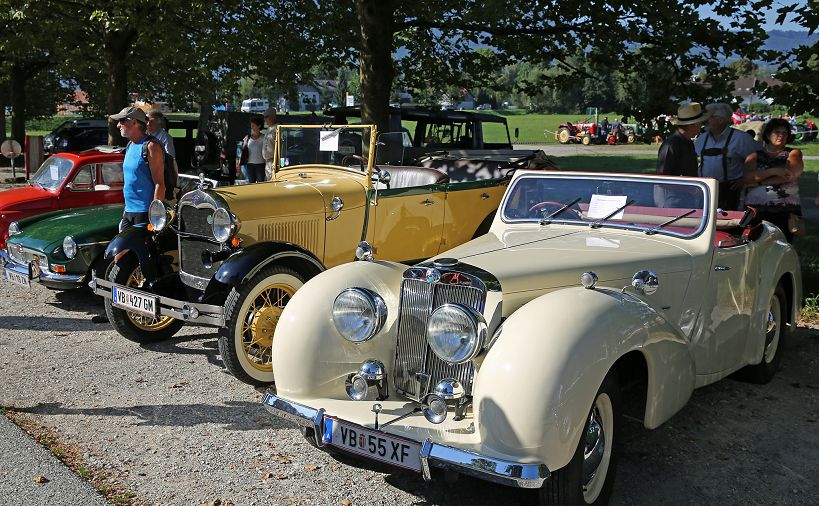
(785,40)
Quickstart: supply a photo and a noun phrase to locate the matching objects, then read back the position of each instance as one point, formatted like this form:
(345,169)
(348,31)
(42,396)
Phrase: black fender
(246,262)
(146,245)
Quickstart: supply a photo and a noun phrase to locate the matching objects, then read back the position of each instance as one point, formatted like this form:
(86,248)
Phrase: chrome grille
(24,256)
(194,220)
(190,257)
(417,368)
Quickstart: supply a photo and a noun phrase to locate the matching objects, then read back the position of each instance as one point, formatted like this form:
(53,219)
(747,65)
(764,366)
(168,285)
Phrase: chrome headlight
(158,215)
(14,228)
(224,225)
(69,247)
(358,314)
(456,333)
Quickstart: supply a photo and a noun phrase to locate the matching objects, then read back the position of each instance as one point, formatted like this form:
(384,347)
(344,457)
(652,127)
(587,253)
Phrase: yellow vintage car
(514,356)
(233,257)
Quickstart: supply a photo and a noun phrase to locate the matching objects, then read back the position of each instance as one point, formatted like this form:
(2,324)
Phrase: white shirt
(254,149)
(166,140)
(740,147)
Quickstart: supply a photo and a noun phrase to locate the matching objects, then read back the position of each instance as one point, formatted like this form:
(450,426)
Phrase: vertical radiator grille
(413,355)
(194,220)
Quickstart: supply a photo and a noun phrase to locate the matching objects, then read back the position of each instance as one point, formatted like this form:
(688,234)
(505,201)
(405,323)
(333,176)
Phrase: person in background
(772,187)
(269,146)
(677,156)
(604,127)
(726,155)
(156,128)
(253,144)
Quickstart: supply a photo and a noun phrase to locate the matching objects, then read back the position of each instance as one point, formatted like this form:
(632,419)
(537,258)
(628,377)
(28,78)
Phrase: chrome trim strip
(209,314)
(513,474)
(193,281)
(82,245)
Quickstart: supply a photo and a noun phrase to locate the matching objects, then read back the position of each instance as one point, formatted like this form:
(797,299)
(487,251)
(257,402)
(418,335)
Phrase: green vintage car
(60,249)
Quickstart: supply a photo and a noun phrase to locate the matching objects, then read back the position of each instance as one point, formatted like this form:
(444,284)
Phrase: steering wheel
(362,162)
(547,207)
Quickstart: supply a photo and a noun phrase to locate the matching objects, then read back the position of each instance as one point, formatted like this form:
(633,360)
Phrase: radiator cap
(445,262)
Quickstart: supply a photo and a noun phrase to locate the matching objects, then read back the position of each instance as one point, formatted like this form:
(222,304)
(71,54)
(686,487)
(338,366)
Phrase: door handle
(721,268)
(427,202)
(484,196)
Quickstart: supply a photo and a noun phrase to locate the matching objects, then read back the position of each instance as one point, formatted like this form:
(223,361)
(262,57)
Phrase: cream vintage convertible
(510,357)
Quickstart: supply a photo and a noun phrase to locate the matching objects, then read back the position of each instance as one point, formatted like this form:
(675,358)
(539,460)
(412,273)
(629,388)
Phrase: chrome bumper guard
(504,472)
(204,314)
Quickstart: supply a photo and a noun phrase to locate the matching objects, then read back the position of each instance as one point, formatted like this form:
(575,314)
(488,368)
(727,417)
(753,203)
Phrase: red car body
(64,181)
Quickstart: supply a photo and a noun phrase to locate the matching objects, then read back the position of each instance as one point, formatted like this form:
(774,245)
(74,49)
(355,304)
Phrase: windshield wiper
(548,219)
(654,230)
(599,223)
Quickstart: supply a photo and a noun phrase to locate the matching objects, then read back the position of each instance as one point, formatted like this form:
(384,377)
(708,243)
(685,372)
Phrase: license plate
(17,279)
(373,444)
(134,301)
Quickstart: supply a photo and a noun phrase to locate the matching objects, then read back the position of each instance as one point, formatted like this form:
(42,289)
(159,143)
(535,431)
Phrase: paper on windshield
(328,140)
(601,206)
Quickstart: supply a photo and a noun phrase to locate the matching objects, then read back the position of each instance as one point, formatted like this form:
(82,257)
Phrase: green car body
(36,252)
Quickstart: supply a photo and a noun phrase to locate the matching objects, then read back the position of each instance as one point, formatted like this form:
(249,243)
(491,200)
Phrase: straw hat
(688,114)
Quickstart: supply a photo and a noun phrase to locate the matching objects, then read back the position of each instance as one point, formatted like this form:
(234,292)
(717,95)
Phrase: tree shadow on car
(233,415)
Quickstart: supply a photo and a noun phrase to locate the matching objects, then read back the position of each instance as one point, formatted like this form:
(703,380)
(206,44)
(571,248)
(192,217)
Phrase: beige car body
(534,386)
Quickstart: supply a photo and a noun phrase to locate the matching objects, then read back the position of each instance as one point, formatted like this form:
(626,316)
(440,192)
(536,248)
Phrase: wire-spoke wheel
(252,312)
(133,326)
(588,478)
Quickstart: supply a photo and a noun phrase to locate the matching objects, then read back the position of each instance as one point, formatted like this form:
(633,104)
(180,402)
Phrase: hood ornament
(376,409)
(201,181)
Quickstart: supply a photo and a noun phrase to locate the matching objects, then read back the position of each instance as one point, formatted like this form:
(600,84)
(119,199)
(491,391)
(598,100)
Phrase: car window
(671,207)
(84,178)
(52,172)
(112,175)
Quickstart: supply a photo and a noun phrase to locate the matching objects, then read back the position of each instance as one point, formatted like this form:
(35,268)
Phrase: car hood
(97,223)
(540,260)
(29,198)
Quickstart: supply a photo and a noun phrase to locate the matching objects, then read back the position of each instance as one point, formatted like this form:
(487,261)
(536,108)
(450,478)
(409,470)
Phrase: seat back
(405,177)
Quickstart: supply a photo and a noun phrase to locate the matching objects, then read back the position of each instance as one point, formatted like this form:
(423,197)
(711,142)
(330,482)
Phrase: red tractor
(584,133)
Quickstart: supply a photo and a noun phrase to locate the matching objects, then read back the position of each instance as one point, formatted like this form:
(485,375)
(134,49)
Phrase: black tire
(775,330)
(567,486)
(134,327)
(246,341)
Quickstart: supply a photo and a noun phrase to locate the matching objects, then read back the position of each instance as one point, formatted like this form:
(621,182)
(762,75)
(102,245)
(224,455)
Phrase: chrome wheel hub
(772,330)
(597,448)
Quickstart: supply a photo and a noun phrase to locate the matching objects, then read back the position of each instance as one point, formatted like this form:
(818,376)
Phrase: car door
(727,309)
(408,222)
(108,187)
(78,190)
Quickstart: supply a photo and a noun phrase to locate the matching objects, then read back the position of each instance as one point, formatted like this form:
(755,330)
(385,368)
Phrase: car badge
(456,278)
(197,198)
(432,276)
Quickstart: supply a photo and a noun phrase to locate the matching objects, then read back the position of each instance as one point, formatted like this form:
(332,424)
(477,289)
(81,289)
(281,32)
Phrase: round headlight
(69,247)
(14,228)
(158,215)
(358,314)
(223,225)
(456,333)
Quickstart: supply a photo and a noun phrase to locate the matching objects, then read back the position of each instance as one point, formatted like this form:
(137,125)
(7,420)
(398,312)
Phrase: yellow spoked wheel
(142,322)
(252,312)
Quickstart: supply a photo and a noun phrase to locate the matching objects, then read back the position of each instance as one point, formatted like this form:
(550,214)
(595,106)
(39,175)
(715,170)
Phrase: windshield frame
(704,222)
(46,166)
(370,155)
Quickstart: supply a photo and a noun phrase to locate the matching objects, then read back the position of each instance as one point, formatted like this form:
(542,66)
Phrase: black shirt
(677,156)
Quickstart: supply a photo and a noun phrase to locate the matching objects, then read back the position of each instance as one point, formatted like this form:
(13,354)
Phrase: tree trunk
(117,49)
(205,110)
(2,115)
(19,76)
(376,69)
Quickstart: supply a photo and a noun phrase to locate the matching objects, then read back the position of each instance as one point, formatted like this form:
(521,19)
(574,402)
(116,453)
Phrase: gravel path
(170,424)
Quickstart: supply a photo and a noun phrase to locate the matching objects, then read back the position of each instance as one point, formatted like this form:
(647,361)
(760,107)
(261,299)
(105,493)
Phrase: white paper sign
(328,140)
(350,100)
(603,205)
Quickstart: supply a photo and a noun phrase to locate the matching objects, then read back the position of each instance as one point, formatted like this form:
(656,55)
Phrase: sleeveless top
(254,149)
(786,194)
(138,184)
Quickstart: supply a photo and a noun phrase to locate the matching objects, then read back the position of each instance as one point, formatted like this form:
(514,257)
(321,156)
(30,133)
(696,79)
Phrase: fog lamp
(364,251)
(435,409)
(357,388)
(371,373)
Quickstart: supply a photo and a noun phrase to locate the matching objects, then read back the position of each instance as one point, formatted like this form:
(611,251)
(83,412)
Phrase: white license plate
(134,301)
(17,279)
(371,443)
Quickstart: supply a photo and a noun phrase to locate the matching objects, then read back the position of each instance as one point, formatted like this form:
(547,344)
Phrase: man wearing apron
(724,153)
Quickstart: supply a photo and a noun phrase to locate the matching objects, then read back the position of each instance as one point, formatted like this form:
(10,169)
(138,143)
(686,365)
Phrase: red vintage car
(64,181)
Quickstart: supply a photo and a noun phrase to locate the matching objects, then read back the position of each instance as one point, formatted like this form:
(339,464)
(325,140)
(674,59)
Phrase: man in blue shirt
(143,182)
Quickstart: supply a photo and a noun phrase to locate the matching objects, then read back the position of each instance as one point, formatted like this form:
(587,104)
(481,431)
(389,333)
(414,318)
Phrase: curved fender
(248,261)
(310,358)
(137,240)
(534,389)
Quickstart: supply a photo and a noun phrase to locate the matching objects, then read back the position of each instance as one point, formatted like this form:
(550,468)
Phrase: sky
(771,15)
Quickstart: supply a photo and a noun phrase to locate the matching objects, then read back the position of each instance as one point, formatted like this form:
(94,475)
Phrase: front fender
(535,387)
(140,241)
(246,262)
(310,358)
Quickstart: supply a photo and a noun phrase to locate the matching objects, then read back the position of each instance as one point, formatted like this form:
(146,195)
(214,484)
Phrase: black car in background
(76,135)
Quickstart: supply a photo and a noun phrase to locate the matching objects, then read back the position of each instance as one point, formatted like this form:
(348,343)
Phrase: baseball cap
(130,112)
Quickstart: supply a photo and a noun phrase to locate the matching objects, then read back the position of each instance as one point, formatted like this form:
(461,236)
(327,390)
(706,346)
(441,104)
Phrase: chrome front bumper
(504,472)
(200,314)
(47,278)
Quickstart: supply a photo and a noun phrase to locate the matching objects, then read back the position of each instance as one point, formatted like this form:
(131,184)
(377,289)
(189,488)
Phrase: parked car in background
(243,251)
(513,356)
(76,135)
(256,105)
(64,181)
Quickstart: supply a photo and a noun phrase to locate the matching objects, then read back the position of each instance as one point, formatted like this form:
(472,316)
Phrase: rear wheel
(563,135)
(589,476)
(252,311)
(136,327)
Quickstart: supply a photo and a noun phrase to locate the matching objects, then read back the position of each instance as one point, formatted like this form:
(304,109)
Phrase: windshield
(52,172)
(347,146)
(671,207)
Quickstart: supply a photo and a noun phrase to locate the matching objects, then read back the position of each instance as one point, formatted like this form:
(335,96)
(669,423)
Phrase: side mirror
(517,133)
(645,282)
(69,186)
(384,177)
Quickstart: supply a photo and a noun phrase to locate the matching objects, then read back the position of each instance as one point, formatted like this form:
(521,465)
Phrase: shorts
(130,220)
